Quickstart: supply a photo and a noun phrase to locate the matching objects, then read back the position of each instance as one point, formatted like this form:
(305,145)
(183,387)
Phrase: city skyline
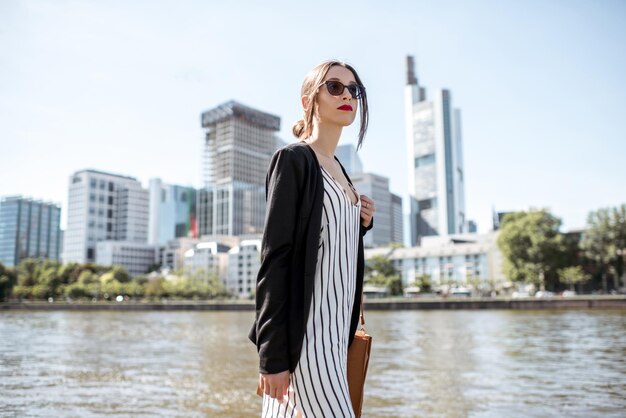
(541,104)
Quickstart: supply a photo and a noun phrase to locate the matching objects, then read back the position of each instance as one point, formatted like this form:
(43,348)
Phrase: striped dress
(318,387)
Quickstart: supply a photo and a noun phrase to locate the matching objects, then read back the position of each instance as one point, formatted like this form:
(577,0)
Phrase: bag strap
(362,316)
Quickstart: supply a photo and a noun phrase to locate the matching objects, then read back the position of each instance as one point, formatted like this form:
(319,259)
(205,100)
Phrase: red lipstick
(345,107)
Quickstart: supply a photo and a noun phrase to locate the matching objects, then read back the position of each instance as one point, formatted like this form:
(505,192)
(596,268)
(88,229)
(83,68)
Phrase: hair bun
(298,128)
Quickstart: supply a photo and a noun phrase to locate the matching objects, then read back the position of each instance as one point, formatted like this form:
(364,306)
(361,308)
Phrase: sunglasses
(335,88)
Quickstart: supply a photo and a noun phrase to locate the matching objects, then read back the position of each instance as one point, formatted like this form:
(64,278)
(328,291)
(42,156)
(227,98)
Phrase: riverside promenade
(398,303)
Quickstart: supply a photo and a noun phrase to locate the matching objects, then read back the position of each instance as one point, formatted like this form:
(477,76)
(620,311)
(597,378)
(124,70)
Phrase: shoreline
(397,303)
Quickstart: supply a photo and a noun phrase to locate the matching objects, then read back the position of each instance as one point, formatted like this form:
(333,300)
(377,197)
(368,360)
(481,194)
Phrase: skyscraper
(238,145)
(28,229)
(436,174)
(388,217)
(172,212)
(349,158)
(103,206)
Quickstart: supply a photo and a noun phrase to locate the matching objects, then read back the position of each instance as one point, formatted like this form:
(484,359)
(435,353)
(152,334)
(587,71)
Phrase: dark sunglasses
(335,88)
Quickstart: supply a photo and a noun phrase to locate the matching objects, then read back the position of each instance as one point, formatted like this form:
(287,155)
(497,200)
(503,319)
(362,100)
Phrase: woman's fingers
(367,204)
(275,386)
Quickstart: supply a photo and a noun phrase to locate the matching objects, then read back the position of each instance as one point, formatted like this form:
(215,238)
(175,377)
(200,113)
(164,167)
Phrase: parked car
(520,294)
(544,294)
(460,292)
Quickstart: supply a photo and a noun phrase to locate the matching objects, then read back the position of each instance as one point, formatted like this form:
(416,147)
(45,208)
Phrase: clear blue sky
(119,86)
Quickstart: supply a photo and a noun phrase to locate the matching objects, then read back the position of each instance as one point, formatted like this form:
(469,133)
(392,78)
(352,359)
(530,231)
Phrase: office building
(243,267)
(349,159)
(397,221)
(387,222)
(172,212)
(435,159)
(207,259)
(460,259)
(103,206)
(28,229)
(238,144)
(137,258)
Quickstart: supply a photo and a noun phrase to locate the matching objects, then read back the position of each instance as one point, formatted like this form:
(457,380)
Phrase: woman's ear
(305,102)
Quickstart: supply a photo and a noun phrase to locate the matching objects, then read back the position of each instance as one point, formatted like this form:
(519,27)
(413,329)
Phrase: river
(465,363)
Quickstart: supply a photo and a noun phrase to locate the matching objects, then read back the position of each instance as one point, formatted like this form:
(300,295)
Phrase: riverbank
(575,302)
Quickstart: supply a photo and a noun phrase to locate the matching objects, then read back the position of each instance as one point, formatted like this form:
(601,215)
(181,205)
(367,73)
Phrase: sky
(119,86)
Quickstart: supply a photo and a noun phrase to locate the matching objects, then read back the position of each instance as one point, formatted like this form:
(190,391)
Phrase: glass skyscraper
(28,229)
(436,173)
(238,145)
(172,212)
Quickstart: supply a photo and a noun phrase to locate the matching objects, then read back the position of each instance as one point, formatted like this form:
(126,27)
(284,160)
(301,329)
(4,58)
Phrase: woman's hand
(275,385)
(367,210)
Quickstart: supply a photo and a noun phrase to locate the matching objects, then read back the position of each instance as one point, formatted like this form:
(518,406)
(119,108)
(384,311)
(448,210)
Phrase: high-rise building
(397,224)
(103,206)
(238,145)
(388,222)
(387,226)
(349,159)
(436,174)
(28,229)
(172,212)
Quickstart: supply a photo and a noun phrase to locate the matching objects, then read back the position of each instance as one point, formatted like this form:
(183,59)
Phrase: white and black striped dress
(319,385)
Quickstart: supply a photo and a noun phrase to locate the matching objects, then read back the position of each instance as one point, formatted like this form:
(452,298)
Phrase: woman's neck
(325,138)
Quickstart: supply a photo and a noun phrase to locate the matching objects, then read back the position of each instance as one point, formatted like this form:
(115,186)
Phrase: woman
(311,277)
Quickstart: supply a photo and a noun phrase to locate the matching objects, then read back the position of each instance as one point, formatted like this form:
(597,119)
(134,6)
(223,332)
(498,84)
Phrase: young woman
(309,285)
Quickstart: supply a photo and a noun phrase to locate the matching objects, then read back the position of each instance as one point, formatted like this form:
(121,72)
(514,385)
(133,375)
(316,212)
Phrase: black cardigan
(294,192)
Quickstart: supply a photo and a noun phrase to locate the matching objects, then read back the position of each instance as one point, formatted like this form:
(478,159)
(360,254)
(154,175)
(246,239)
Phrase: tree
(380,271)
(532,246)
(27,272)
(604,242)
(8,279)
(573,275)
(64,272)
(120,274)
(424,282)
(381,265)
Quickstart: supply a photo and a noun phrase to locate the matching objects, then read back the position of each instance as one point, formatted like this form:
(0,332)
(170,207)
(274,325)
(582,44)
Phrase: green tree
(64,272)
(49,277)
(120,274)
(424,282)
(41,291)
(8,279)
(380,271)
(604,242)
(27,272)
(87,277)
(155,288)
(532,246)
(573,275)
(380,264)
(76,291)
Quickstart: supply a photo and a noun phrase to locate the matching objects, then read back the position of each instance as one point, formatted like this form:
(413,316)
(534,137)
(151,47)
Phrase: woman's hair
(310,86)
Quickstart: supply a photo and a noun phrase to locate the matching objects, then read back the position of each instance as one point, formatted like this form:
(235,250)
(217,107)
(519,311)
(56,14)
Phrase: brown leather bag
(358,361)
